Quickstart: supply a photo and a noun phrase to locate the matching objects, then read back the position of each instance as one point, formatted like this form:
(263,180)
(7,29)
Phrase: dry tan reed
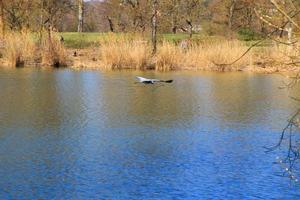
(169,57)
(207,55)
(19,47)
(277,58)
(124,52)
(204,56)
(53,52)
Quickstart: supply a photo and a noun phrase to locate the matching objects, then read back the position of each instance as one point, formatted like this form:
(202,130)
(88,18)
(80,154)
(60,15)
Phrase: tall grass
(277,57)
(209,55)
(53,52)
(22,48)
(217,56)
(19,47)
(132,52)
(169,57)
(124,52)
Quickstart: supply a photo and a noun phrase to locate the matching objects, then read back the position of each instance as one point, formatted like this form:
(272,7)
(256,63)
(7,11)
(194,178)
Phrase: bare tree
(1,19)
(190,11)
(154,25)
(289,139)
(111,24)
(80,15)
(231,13)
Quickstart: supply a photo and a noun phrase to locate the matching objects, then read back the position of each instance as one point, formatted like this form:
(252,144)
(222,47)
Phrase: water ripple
(91,135)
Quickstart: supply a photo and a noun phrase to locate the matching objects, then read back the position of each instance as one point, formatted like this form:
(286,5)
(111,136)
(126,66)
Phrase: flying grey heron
(152,81)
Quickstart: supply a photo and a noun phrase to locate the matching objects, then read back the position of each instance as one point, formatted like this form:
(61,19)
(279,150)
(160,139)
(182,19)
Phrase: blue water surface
(97,135)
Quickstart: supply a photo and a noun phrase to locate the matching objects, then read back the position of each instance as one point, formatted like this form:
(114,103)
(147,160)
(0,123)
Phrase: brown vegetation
(21,48)
(133,51)
(18,48)
(124,52)
(204,56)
(244,18)
(53,53)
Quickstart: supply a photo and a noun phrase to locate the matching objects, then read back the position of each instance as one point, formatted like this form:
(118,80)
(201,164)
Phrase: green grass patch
(170,37)
(246,34)
(85,40)
(81,40)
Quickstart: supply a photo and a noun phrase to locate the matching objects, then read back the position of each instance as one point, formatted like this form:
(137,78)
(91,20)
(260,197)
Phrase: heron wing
(141,79)
(144,80)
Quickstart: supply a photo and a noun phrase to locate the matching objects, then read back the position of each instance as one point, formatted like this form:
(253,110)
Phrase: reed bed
(217,56)
(131,52)
(210,55)
(277,58)
(19,47)
(169,57)
(124,52)
(280,53)
(53,52)
(23,48)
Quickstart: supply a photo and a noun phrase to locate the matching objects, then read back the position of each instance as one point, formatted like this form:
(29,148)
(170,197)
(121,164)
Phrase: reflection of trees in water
(30,100)
(242,98)
(233,96)
(246,98)
(46,108)
(43,99)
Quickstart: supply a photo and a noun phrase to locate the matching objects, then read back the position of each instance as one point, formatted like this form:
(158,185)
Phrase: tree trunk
(290,33)
(231,13)
(189,22)
(174,23)
(289,30)
(42,24)
(111,25)
(174,29)
(154,25)
(1,19)
(80,15)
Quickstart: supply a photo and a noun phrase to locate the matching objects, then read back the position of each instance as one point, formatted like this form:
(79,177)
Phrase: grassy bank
(132,51)
(214,54)
(85,40)
(80,40)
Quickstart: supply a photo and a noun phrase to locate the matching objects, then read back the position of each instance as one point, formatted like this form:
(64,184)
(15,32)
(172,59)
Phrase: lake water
(96,135)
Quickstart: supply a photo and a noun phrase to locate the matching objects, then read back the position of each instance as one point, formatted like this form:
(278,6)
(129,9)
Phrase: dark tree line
(173,16)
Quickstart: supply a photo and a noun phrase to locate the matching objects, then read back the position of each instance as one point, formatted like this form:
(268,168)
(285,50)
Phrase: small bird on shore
(62,39)
(151,81)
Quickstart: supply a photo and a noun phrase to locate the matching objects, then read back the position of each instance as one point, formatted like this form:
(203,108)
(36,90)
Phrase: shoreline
(90,58)
(124,52)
